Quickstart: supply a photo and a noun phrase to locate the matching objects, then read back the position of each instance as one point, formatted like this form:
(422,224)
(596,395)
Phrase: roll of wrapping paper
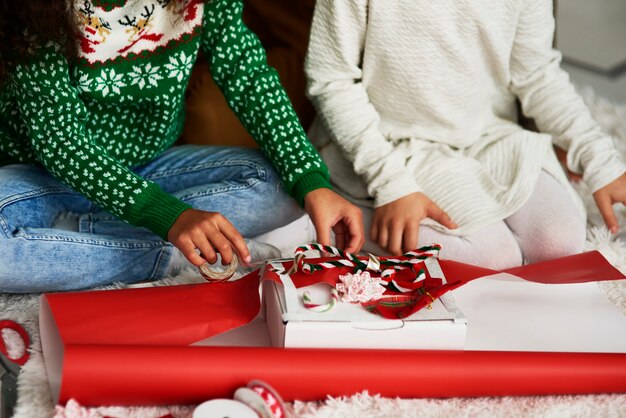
(148,375)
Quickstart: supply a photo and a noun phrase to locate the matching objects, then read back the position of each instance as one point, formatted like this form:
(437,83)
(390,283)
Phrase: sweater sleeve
(551,100)
(253,91)
(336,89)
(55,118)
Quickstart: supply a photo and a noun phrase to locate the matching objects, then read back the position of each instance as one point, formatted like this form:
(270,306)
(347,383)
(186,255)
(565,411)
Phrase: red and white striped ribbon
(256,399)
(386,268)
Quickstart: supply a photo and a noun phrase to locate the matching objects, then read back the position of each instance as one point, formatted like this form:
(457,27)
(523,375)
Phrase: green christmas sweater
(122,103)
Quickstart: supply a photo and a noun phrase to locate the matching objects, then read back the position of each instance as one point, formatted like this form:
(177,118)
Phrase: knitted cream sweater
(419,95)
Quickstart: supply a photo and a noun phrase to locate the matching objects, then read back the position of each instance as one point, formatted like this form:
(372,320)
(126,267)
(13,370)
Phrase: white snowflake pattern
(145,76)
(180,66)
(83,82)
(109,81)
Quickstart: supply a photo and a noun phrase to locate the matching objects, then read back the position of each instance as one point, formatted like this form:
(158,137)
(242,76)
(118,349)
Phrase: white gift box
(347,325)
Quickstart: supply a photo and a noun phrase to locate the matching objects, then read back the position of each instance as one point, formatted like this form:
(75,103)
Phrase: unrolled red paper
(131,347)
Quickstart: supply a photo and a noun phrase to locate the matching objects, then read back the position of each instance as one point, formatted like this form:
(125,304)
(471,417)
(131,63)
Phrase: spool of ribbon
(218,276)
(256,399)
(263,399)
(7,324)
(224,408)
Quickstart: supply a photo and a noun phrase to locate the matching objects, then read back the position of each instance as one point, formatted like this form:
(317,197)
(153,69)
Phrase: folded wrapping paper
(174,315)
(185,314)
(130,346)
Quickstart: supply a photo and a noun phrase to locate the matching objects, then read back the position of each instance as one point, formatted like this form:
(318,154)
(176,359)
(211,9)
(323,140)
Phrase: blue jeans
(36,256)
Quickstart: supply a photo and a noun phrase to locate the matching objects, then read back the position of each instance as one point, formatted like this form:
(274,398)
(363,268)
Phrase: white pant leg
(548,225)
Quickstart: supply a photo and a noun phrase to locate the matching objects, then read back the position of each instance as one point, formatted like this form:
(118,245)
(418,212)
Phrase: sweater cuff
(157,210)
(604,172)
(308,183)
(394,189)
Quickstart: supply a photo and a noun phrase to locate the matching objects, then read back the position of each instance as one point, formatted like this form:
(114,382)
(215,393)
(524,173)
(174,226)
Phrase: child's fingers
(395,238)
(356,233)
(383,235)
(188,249)
(349,232)
(236,240)
(604,203)
(437,214)
(206,250)
(410,237)
(222,246)
(374,231)
(322,230)
(340,231)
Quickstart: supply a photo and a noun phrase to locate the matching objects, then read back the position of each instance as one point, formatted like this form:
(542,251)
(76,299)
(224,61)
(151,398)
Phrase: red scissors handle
(7,324)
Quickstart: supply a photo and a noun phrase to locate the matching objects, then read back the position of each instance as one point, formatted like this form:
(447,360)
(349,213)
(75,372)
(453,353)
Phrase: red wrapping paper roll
(151,375)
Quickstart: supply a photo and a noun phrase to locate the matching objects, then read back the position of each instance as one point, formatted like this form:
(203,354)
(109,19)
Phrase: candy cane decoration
(319,308)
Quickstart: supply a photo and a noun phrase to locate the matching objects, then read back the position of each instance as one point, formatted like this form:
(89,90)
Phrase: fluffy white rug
(34,398)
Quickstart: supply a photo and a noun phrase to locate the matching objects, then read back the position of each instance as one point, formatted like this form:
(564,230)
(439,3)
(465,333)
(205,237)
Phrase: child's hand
(329,211)
(209,232)
(395,226)
(613,192)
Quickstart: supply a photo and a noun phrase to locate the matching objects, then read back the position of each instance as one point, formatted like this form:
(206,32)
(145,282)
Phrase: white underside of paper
(506,313)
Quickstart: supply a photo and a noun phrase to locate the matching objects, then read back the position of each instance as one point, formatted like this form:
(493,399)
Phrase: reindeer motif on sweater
(133,28)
